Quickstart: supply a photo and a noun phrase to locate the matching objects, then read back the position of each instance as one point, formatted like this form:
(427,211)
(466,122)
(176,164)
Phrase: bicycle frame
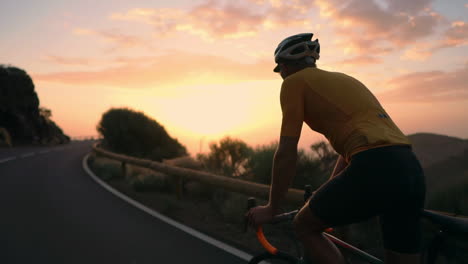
(446,225)
(274,253)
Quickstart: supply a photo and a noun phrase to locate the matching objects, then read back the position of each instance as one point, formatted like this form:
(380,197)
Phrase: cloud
(68,61)
(215,20)
(395,25)
(119,39)
(173,69)
(428,87)
(418,52)
(456,35)
(362,60)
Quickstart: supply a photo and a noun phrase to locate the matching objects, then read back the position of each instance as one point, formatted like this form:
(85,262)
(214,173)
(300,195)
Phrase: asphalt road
(51,211)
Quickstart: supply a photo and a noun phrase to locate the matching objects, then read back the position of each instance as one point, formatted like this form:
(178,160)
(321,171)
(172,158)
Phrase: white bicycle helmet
(297,47)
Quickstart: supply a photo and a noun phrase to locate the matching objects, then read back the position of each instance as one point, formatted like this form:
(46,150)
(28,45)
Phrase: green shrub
(234,207)
(133,133)
(260,163)
(308,172)
(234,157)
(106,169)
(228,158)
(149,182)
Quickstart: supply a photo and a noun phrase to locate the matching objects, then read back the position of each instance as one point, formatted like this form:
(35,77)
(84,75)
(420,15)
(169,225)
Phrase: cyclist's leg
(401,219)
(344,199)
(401,231)
(359,192)
(309,230)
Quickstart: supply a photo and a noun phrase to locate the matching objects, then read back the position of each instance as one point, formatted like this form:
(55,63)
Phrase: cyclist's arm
(284,162)
(284,169)
(340,165)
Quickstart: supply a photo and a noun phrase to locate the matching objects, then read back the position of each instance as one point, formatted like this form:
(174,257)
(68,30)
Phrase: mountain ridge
(431,148)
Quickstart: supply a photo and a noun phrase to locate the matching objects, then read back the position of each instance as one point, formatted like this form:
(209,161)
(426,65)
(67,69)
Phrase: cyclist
(376,174)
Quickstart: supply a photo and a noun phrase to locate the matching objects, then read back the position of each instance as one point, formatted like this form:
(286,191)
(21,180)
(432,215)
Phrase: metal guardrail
(226,183)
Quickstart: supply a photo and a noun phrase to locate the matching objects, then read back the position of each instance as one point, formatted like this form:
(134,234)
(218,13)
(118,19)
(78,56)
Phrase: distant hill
(445,162)
(433,148)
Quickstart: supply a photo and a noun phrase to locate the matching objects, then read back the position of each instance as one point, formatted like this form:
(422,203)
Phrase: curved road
(51,211)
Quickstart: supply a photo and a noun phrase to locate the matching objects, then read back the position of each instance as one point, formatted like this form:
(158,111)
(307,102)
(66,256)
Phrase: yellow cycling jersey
(339,107)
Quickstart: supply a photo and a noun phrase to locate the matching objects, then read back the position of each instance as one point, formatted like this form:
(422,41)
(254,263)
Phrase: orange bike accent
(261,237)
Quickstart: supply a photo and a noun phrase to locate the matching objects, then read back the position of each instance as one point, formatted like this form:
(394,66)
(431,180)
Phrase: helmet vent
(297,50)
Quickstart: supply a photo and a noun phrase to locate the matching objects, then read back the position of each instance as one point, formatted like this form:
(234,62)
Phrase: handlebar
(289,216)
(251,203)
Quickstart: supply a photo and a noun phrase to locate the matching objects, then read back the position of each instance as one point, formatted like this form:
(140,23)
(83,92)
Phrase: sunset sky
(203,68)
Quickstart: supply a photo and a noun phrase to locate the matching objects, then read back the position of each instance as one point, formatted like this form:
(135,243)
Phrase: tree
(259,165)
(228,158)
(326,155)
(20,113)
(133,133)
(45,112)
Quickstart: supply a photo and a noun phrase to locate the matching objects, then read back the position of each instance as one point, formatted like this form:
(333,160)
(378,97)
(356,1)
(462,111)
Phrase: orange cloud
(380,29)
(361,60)
(214,20)
(170,70)
(119,39)
(428,87)
(62,60)
(418,52)
(456,35)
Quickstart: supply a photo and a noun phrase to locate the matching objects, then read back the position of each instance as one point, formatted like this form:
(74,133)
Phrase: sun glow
(214,111)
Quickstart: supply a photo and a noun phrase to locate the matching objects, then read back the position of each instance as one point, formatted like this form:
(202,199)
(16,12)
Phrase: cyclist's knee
(306,223)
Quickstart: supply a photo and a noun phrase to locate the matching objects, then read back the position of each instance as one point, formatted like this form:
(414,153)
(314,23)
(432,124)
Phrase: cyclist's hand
(260,215)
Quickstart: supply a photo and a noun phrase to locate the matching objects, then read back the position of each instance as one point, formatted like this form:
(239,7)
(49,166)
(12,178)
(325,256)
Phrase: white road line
(30,154)
(234,251)
(7,159)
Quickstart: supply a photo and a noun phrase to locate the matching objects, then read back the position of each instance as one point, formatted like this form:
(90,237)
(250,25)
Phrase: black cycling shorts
(387,182)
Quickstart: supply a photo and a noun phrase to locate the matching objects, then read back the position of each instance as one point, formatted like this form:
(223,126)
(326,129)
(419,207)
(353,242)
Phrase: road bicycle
(446,226)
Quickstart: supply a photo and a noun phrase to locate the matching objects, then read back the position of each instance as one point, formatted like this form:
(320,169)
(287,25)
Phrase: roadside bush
(234,207)
(327,156)
(260,163)
(106,169)
(228,158)
(149,182)
(234,157)
(133,133)
(308,172)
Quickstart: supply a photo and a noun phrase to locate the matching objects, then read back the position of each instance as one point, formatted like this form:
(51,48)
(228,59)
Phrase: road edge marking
(26,155)
(221,245)
(8,159)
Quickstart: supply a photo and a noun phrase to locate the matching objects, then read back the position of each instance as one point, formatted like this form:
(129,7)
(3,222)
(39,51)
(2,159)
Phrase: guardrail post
(179,187)
(124,169)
